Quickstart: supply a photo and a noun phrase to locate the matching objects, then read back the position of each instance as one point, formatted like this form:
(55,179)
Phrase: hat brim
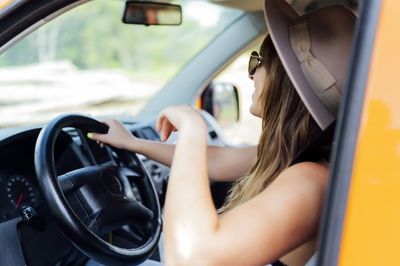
(278,16)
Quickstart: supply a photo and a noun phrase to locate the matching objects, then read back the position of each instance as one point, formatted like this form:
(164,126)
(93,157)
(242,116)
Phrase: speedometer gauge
(20,192)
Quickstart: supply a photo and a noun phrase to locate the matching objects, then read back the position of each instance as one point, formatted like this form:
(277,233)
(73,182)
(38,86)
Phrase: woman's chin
(254,112)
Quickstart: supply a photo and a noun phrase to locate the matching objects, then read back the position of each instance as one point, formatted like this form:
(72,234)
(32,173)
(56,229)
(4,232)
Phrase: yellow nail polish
(90,135)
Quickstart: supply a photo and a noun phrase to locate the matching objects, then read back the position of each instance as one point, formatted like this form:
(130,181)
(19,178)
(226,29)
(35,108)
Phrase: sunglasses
(254,62)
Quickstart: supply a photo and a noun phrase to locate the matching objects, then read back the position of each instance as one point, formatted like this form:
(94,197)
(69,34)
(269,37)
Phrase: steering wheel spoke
(106,195)
(72,181)
(131,213)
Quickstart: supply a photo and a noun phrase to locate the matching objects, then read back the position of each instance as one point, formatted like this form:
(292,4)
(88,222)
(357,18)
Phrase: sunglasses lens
(253,63)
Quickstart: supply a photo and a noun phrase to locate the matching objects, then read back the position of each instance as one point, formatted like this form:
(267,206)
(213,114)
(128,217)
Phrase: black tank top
(278,263)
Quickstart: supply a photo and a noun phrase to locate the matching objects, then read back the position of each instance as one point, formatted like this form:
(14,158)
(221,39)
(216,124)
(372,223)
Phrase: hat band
(318,76)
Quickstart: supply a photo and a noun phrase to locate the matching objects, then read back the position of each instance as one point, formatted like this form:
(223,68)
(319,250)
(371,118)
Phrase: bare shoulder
(303,184)
(283,216)
(308,169)
(305,176)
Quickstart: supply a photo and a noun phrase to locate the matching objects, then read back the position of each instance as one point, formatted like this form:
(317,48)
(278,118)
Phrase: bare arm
(225,163)
(257,232)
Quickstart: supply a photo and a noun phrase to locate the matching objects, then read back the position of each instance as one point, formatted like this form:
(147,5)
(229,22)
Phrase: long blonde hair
(287,128)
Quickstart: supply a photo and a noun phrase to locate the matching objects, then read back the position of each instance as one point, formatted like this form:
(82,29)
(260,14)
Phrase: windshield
(87,61)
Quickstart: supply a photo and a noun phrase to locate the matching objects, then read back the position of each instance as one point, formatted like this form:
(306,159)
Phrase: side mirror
(221,100)
(151,13)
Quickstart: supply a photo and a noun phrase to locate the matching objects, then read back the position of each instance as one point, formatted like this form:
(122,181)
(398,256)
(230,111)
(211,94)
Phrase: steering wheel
(102,196)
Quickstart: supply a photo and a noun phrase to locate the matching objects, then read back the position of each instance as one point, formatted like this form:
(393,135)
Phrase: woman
(273,211)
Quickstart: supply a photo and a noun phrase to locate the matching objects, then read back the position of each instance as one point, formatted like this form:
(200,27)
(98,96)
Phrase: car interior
(65,199)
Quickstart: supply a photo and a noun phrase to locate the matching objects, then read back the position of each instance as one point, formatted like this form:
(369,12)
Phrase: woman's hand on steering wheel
(117,136)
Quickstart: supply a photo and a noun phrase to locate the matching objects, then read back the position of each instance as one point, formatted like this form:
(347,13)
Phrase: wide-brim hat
(314,49)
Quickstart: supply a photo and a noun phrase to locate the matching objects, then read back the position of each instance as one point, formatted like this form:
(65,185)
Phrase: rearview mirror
(152,13)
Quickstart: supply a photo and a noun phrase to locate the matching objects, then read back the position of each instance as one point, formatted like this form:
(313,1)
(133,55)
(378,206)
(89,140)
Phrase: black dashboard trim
(10,247)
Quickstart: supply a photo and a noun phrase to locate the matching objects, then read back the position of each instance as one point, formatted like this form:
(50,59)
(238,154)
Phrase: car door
(360,225)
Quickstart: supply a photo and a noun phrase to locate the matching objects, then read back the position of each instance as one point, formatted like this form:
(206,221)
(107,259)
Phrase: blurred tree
(92,36)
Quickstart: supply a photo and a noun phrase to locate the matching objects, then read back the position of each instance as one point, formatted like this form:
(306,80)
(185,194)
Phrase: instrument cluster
(18,191)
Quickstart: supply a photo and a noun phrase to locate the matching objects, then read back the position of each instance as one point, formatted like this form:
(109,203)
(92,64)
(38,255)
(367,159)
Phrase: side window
(248,129)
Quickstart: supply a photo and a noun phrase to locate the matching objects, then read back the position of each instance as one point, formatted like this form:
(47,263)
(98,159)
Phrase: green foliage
(92,36)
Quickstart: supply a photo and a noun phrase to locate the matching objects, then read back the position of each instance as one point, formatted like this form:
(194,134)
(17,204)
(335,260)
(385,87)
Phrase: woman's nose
(251,77)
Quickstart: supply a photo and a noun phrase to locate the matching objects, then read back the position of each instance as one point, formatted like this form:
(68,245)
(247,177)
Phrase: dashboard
(18,185)
(24,244)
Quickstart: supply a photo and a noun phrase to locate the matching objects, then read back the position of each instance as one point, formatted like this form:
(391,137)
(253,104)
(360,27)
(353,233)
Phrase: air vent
(71,131)
(74,134)
(149,133)
(135,133)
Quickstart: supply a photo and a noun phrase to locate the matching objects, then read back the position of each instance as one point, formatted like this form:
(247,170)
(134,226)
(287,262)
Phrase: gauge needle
(19,200)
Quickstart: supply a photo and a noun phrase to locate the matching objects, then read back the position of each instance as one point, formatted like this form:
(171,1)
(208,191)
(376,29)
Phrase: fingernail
(89,135)
(98,142)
